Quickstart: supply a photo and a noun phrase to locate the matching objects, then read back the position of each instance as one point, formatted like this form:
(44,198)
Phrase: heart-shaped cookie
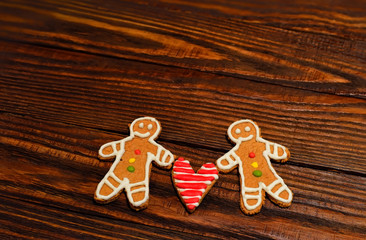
(192,187)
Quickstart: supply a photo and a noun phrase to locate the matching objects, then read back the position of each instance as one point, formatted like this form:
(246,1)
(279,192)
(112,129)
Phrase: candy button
(257,173)
(254,164)
(252,155)
(130,169)
(137,152)
(132,160)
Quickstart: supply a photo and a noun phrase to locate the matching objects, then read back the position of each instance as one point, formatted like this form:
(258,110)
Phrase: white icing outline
(203,190)
(125,182)
(267,155)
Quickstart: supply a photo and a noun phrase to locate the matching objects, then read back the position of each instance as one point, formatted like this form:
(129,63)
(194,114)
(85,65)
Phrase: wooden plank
(26,219)
(195,108)
(49,172)
(299,44)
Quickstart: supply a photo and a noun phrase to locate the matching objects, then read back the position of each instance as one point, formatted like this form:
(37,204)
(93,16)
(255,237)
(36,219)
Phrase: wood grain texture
(309,45)
(329,204)
(74,74)
(103,93)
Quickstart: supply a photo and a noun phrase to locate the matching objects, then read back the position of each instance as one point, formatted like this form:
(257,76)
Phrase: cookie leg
(279,193)
(251,200)
(138,195)
(109,188)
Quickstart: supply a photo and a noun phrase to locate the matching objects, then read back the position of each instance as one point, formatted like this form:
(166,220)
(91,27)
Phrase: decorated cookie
(252,155)
(132,165)
(192,187)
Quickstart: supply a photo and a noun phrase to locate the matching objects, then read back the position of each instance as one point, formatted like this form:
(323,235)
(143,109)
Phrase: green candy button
(132,169)
(257,173)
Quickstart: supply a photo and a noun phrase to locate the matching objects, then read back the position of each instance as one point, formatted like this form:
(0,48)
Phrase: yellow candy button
(254,164)
(132,160)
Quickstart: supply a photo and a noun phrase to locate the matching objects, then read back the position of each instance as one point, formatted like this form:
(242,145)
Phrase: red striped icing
(182,164)
(209,165)
(193,185)
(183,170)
(191,206)
(191,193)
(193,177)
(204,171)
(191,200)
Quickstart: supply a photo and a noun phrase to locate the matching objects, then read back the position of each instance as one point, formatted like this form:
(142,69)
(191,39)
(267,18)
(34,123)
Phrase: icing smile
(246,138)
(141,135)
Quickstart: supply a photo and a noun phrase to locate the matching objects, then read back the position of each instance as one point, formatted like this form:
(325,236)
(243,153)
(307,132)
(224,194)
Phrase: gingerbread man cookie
(252,155)
(132,166)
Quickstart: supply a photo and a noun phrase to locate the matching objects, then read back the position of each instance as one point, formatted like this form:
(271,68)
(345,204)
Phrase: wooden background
(73,74)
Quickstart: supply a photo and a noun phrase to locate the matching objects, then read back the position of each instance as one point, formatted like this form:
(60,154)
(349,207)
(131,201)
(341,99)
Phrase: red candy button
(137,152)
(252,155)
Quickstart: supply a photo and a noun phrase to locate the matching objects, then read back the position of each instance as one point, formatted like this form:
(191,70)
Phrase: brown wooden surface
(74,74)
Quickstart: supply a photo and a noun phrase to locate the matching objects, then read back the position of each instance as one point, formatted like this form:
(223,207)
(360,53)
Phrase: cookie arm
(163,157)
(277,152)
(228,162)
(110,150)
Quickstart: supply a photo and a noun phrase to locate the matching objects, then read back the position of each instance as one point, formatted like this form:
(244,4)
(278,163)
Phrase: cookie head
(243,130)
(145,127)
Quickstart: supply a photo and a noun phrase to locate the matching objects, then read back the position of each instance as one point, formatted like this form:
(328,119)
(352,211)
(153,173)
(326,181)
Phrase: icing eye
(149,126)
(237,131)
(247,129)
(141,125)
